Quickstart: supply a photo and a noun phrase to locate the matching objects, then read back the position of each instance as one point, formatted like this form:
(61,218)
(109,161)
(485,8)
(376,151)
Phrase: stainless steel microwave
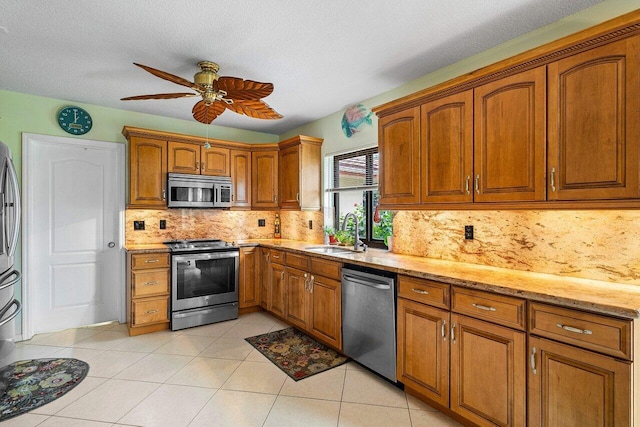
(198,191)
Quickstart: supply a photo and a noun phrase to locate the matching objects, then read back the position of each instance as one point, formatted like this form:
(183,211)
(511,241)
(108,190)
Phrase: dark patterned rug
(28,384)
(296,354)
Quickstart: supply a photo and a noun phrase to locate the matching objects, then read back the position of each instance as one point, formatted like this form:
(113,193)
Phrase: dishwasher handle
(372,283)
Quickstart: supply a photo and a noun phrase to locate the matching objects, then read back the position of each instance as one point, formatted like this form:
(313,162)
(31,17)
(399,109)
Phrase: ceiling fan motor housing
(208,73)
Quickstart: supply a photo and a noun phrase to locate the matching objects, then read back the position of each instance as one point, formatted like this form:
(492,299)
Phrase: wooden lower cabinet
(325,317)
(265,278)
(572,387)
(488,372)
(249,278)
(298,297)
(423,350)
(277,292)
(148,290)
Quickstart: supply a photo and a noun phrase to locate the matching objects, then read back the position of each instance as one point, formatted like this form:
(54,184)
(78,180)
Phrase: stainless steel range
(204,282)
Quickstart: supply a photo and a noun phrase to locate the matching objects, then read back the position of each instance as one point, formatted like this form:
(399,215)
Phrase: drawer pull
(276,257)
(155,282)
(483,307)
(576,330)
(150,261)
(420,291)
(151,311)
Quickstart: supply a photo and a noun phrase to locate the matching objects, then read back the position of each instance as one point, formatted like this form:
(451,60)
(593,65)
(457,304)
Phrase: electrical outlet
(310,225)
(138,225)
(468,232)
(163,224)
(261,223)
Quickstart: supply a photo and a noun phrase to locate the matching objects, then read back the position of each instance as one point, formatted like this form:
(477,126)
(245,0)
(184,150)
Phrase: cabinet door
(215,161)
(277,293)
(184,157)
(264,188)
(571,387)
(265,279)
(399,148)
(241,178)
(509,138)
(593,123)
(147,172)
(423,350)
(325,319)
(488,378)
(297,301)
(289,181)
(447,149)
(249,277)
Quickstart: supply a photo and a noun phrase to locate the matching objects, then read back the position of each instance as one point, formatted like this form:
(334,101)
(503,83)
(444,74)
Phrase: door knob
(112,244)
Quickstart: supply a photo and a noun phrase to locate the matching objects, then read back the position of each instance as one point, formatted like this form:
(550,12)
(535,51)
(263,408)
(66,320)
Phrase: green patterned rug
(28,384)
(295,353)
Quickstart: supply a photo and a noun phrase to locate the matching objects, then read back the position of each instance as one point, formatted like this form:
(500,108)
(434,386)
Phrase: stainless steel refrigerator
(9,233)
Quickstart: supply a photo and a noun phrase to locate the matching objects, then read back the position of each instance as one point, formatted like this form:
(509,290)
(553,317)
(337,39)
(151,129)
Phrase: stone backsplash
(221,224)
(593,244)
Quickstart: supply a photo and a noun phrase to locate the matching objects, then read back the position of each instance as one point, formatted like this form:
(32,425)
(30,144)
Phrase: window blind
(355,171)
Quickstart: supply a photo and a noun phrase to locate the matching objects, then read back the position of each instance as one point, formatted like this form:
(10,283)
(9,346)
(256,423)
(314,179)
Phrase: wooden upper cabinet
(399,148)
(447,149)
(299,177)
(264,185)
(593,110)
(509,138)
(147,172)
(215,161)
(241,178)
(184,157)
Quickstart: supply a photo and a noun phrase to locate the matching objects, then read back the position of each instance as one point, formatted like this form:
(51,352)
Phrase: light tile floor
(209,376)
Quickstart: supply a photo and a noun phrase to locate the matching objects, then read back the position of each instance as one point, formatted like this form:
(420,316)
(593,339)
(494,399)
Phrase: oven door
(204,279)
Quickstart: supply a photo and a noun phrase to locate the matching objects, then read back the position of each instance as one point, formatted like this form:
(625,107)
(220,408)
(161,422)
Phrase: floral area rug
(295,353)
(28,384)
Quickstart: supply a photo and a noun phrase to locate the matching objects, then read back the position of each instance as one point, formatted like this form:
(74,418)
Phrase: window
(354,188)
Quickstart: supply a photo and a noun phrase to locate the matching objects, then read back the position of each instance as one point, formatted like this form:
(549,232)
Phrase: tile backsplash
(593,244)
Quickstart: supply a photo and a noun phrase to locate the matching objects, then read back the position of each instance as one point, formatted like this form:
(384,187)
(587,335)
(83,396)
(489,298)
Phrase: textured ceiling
(321,56)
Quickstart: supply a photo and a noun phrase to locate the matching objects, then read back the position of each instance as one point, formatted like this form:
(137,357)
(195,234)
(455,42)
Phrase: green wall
(329,126)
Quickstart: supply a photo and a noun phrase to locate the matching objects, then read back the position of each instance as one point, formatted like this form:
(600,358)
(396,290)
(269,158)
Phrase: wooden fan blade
(160,96)
(254,108)
(207,113)
(239,89)
(168,76)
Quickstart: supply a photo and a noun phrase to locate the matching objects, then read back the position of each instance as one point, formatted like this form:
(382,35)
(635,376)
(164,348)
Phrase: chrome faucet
(358,245)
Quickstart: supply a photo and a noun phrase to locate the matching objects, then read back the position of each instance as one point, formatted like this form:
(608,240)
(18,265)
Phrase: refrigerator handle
(10,282)
(16,204)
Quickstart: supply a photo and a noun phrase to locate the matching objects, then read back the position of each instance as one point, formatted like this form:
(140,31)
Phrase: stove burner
(198,245)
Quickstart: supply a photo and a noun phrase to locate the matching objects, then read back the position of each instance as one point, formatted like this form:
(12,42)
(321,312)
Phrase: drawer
(155,260)
(322,267)
(276,256)
(149,282)
(297,261)
(424,291)
(596,332)
(500,309)
(150,310)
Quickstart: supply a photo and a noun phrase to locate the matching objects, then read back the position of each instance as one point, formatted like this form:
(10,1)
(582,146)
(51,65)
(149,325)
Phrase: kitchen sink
(328,249)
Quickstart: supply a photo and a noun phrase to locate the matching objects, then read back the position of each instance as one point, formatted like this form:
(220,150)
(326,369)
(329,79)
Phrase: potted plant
(332,235)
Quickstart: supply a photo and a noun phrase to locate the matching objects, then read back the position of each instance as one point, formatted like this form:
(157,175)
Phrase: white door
(74,204)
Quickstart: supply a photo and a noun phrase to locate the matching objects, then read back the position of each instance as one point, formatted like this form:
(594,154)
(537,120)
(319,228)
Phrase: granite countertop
(617,299)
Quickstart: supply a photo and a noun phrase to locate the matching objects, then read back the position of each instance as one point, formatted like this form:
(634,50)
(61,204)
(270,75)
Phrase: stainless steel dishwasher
(369,318)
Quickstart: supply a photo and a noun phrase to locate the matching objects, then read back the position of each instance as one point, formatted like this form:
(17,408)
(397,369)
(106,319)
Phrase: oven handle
(206,255)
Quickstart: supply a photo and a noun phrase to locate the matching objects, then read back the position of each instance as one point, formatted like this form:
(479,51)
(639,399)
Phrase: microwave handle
(11,171)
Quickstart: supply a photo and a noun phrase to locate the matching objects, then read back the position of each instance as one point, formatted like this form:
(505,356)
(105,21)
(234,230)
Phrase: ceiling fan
(218,93)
